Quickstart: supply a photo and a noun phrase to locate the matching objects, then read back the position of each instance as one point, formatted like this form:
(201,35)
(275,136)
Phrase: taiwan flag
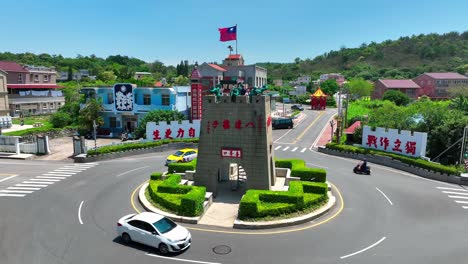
(228,34)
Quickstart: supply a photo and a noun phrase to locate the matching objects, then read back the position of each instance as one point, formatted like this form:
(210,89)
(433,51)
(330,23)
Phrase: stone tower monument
(237,130)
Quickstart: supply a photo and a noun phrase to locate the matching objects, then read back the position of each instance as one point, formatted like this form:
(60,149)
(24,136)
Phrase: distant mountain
(406,57)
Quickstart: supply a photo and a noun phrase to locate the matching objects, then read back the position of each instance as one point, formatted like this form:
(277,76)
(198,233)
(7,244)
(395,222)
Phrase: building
(77,76)
(436,84)
(278,82)
(340,79)
(4,109)
(140,75)
(124,105)
(230,73)
(408,87)
(32,90)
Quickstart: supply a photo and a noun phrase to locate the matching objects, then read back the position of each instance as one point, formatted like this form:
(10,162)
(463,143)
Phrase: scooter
(124,136)
(358,170)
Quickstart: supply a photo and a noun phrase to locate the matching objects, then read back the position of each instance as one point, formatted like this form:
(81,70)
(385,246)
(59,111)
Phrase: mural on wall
(123,94)
(390,140)
(174,130)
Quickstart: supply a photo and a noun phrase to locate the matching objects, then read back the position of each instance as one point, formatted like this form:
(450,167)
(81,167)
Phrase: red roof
(217,67)
(350,130)
(11,66)
(34,86)
(234,56)
(399,84)
(446,75)
(195,74)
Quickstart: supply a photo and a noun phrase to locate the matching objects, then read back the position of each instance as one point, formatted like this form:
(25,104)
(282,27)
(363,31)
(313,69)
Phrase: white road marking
(465,207)
(79,212)
(131,171)
(294,149)
(278,147)
(61,172)
(67,171)
(459,193)
(384,195)
(7,178)
(41,180)
(453,189)
(23,188)
(304,149)
(74,168)
(51,177)
(60,175)
(15,191)
(12,194)
(458,197)
(180,259)
(362,250)
(286,148)
(462,202)
(30,185)
(32,182)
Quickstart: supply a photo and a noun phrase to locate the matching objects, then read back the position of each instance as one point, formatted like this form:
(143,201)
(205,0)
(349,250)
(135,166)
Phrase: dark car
(278,123)
(297,107)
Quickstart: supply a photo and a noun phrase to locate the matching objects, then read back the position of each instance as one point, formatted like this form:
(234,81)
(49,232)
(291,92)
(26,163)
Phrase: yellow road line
(260,233)
(305,130)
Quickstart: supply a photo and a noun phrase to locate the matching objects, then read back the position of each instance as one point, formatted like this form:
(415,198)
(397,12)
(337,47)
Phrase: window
(165,99)
(36,78)
(147,99)
(110,98)
(113,122)
(136,223)
(20,78)
(46,78)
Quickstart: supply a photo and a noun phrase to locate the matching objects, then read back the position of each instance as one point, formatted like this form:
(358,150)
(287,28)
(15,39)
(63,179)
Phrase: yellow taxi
(183,155)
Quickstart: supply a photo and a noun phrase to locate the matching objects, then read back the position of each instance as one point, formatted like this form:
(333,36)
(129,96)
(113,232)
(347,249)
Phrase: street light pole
(331,134)
(94,133)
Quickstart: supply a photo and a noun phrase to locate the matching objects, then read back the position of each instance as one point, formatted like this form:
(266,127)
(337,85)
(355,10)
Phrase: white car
(154,230)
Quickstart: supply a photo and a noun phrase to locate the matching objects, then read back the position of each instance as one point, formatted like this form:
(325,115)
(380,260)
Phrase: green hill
(406,57)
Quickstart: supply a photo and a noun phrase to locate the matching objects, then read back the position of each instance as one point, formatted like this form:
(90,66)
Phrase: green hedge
(182,199)
(299,169)
(136,145)
(301,195)
(416,162)
(181,167)
(155,176)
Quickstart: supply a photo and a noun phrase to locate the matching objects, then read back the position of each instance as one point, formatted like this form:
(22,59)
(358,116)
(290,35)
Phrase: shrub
(181,167)
(136,145)
(299,169)
(156,176)
(60,119)
(182,199)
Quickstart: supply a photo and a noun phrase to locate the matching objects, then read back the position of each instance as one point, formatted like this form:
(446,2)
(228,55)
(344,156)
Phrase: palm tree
(460,103)
(89,113)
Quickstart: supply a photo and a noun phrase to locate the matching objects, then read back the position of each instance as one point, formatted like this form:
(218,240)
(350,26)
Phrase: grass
(30,120)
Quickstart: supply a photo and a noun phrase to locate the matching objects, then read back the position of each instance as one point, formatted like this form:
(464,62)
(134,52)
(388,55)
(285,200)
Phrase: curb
(239,224)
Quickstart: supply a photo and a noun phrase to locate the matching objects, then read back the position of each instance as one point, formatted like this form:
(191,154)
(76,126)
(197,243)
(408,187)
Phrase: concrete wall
(255,142)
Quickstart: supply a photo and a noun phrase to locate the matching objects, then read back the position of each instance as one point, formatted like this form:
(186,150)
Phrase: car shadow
(145,248)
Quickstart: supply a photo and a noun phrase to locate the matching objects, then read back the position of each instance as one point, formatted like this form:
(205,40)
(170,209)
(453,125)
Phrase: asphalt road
(388,217)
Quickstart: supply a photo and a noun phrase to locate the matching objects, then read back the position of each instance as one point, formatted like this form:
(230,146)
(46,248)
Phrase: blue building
(125,104)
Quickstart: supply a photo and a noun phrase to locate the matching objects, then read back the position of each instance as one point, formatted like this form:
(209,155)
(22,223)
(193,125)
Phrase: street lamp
(332,123)
(94,133)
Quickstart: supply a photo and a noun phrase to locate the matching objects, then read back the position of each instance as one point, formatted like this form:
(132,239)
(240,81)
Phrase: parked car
(154,230)
(282,122)
(297,107)
(183,155)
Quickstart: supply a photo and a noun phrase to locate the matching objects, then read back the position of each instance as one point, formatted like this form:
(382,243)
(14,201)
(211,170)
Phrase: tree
(70,74)
(329,86)
(90,113)
(397,97)
(460,103)
(60,119)
(107,76)
(359,87)
(157,116)
(181,80)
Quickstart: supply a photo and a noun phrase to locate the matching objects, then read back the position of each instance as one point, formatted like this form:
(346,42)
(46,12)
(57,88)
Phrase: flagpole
(236,40)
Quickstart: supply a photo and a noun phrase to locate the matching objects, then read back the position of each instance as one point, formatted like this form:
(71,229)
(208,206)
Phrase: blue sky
(174,30)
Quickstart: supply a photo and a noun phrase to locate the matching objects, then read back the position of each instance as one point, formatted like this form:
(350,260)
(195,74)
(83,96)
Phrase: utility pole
(463,150)
(331,134)
(94,133)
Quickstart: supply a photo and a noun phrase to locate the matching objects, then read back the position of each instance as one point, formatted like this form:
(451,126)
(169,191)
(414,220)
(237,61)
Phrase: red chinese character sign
(174,130)
(390,140)
(231,153)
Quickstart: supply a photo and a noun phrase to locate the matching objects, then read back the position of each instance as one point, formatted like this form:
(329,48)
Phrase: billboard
(123,94)
(402,142)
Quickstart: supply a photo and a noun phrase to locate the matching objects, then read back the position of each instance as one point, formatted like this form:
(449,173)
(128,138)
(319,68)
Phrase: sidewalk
(326,136)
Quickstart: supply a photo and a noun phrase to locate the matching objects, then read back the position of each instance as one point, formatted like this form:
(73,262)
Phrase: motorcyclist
(363,165)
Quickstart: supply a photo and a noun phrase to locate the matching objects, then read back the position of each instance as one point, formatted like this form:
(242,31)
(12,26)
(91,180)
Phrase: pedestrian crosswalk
(46,179)
(290,148)
(459,195)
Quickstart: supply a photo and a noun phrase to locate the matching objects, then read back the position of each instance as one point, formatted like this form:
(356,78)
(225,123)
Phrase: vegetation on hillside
(406,57)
